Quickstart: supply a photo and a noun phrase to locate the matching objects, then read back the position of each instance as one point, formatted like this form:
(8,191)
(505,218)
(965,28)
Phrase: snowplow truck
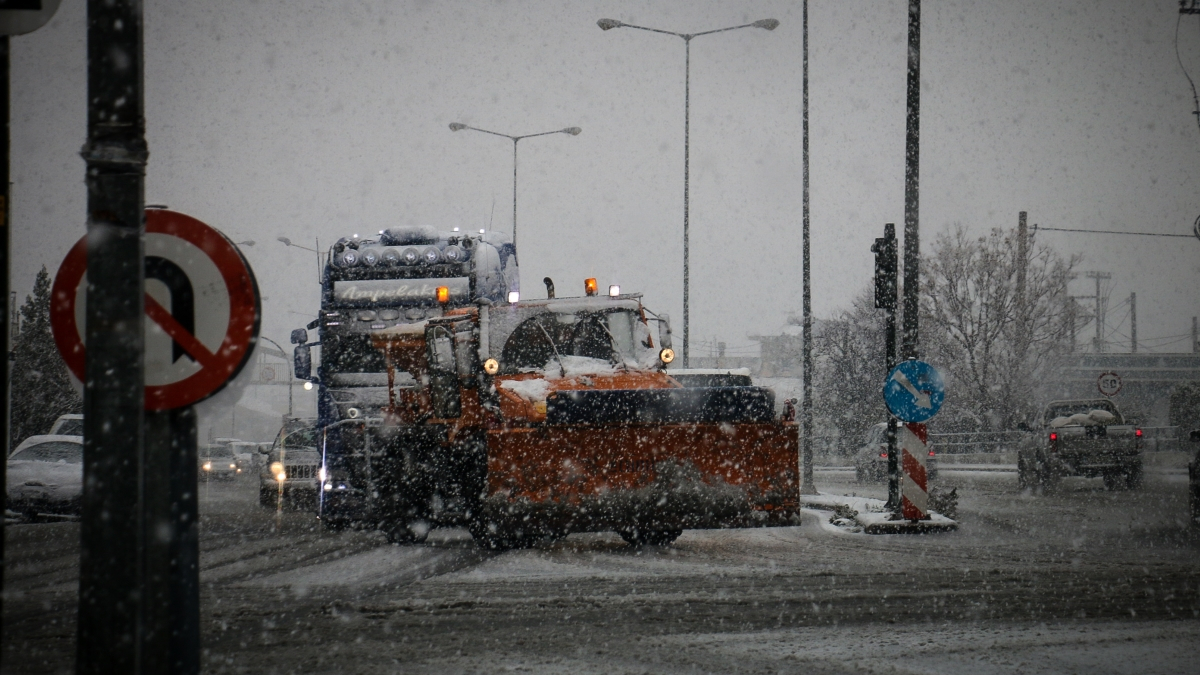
(405,275)
(532,420)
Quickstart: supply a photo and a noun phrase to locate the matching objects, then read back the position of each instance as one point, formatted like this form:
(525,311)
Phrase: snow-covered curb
(870,516)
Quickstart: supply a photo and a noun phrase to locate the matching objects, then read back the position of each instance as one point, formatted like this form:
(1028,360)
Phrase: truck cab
(406,276)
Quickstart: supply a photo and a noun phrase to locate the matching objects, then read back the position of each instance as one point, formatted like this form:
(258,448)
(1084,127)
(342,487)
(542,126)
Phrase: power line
(1140,234)
(1183,9)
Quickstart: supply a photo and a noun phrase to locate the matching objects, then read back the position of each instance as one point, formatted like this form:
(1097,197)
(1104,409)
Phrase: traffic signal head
(884,249)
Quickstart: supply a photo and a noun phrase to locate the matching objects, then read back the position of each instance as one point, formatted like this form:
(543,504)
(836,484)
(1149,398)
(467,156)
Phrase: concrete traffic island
(871,516)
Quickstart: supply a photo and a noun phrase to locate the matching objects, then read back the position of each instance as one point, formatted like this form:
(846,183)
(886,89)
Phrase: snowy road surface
(1079,581)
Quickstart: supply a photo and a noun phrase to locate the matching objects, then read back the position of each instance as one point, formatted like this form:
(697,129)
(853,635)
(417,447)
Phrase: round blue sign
(914,391)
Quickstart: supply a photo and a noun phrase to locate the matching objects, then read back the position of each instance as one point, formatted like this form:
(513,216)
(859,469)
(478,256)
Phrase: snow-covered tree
(848,351)
(41,390)
(990,335)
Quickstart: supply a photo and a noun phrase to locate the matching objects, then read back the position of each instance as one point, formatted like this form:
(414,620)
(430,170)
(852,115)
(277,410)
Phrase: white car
(68,425)
(45,475)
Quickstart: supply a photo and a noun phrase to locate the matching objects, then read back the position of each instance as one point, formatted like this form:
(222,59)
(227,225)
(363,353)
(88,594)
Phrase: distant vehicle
(1082,438)
(245,454)
(293,460)
(45,475)
(870,461)
(217,461)
(67,425)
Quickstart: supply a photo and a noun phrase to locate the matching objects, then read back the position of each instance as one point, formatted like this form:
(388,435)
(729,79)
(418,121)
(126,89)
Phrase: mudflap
(545,482)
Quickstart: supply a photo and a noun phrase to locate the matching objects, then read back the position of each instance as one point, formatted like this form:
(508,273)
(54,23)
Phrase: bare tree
(992,336)
(850,368)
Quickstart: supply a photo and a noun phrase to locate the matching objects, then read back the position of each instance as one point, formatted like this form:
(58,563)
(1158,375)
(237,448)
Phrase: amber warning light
(589,286)
(443,294)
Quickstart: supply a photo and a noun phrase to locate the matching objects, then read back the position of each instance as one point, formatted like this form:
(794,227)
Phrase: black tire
(495,536)
(1025,481)
(640,537)
(407,532)
(1113,481)
(267,496)
(1048,479)
(1134,477)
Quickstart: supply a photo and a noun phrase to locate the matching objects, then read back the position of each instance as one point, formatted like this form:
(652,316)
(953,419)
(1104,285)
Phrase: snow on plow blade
(656,476)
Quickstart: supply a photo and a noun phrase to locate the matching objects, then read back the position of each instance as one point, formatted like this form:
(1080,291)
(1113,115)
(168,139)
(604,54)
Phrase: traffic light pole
(886,274)
(112,536)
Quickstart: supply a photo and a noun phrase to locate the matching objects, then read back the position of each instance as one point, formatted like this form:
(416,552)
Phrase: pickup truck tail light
(1138,433)
(931,453)
(1054,441)
(883,455)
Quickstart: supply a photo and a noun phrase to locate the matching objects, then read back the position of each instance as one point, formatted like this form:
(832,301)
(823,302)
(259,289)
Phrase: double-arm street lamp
(608,24)
(574,131)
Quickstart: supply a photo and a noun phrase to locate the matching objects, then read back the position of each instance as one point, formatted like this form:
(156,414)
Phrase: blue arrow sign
(914,391)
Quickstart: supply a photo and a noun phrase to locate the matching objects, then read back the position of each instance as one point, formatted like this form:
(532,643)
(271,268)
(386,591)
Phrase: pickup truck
(1082,438)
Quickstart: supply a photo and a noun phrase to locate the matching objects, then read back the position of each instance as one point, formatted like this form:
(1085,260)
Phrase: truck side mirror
(299,336)
(302,360)
(664,332)
(1195,436)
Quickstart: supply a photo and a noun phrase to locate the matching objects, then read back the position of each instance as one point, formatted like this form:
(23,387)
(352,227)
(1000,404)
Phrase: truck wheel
(496,537)
(407,532)
(1024,480)
(1113,481)
(1133,478)
(1047,477)
(267,496)
(639,537)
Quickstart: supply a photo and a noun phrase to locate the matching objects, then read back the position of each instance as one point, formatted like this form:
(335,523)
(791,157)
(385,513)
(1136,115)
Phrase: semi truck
(403,276)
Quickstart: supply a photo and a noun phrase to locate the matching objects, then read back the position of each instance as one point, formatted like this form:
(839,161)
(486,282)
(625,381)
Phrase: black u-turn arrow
(183,300)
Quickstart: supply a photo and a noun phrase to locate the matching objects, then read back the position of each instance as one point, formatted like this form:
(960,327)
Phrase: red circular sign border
(1120,385)
(245,313)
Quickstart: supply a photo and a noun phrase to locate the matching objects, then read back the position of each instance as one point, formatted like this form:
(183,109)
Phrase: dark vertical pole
(111,533)
(184,559)
(687,120)
(1133,323)
(515,192)
(912,241)
(886,274)
(1072,310)
(806,410)
(5,242)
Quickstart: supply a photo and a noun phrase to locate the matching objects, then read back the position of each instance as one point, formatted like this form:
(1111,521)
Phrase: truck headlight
(208,466)
(491,366)
(277,469)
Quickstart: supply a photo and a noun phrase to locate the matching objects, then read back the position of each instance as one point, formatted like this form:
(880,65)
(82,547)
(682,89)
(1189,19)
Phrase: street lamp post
(458,126)
(291,375)
(288,242)
(609,24)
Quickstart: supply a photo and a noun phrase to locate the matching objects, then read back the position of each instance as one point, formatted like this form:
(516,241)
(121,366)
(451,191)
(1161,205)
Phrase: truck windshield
(351,354)
(608,336)
(305,438)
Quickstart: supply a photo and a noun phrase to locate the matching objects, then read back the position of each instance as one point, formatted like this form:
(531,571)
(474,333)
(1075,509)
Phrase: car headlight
(233,466)
(208,466)
(281,476)
(277,469)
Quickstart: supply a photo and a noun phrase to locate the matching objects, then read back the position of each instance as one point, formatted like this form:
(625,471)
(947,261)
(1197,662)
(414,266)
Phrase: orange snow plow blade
(656,476)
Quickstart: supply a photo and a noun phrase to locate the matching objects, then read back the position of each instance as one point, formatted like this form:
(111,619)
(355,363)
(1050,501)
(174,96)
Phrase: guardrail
(1154,439)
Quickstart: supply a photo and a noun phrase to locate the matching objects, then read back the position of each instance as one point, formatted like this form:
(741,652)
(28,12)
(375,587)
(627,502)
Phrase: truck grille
(302,472)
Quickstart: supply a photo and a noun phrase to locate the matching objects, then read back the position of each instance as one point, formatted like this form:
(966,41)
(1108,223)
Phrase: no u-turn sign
(202,310)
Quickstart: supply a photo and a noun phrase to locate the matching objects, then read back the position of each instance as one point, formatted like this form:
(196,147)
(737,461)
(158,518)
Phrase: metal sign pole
(112,542)
(5,239)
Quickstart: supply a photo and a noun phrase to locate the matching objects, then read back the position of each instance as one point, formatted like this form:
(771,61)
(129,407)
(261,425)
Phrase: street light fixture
(288,242)
(609,24)
(573,131)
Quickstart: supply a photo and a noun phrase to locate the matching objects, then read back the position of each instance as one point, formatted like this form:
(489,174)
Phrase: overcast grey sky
(319,120)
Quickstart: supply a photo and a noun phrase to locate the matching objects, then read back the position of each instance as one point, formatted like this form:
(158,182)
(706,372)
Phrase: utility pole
(1022,264)
(1098,342)
(1133,323)
(1072,308)
(912,151)
(807,485)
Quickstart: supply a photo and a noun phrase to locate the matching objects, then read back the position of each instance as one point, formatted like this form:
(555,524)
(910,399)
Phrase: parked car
(45,475)
(67,425)
(217,461)
(292,462)
(870,461)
